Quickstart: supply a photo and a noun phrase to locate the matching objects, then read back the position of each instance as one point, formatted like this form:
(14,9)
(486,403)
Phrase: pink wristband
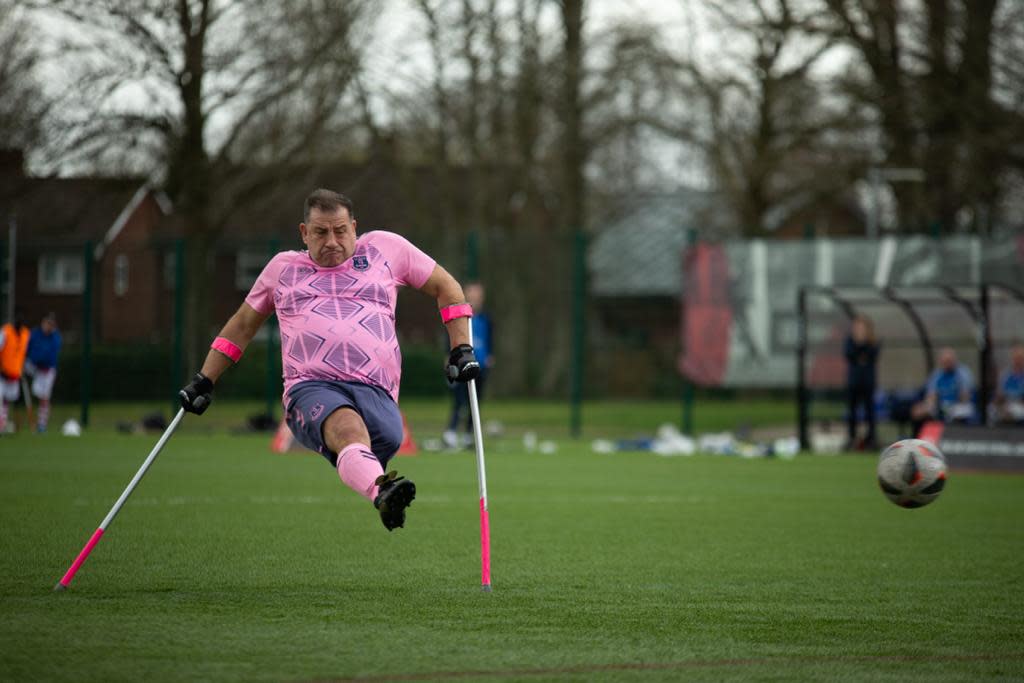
(228,348)
(449,313)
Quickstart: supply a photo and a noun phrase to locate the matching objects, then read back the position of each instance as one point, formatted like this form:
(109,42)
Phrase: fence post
(985,352)
(578,332)
(10,266)
(86,387)
(178,323)
(801,380)
(687,416)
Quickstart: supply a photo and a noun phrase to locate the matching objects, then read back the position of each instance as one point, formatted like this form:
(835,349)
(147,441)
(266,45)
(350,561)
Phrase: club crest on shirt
(360,262)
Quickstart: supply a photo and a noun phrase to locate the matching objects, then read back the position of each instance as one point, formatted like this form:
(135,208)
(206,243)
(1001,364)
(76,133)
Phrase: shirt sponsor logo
(360,262)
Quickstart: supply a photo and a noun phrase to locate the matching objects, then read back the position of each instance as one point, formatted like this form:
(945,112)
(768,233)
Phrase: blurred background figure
(1010,392)
(41,364)
(861,351)
(947,393)
(483,337)
(13,345)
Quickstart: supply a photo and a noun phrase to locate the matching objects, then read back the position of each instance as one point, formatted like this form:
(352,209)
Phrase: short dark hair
(326,200)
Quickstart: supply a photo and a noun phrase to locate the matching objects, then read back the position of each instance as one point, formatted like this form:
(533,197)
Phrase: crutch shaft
(98,534)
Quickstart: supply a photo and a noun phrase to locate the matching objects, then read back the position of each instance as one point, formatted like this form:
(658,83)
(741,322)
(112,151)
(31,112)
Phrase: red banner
(707,315)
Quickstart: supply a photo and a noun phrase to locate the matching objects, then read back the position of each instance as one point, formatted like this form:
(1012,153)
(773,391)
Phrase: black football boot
(396,493)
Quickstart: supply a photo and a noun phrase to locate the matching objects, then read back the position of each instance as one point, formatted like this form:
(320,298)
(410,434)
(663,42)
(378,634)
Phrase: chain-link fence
(640,309)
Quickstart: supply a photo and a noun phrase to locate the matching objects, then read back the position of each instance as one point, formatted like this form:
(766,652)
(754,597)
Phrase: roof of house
(66,211)
(639,253)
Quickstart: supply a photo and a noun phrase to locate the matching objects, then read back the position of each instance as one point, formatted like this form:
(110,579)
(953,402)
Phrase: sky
(399,60)
(399,25)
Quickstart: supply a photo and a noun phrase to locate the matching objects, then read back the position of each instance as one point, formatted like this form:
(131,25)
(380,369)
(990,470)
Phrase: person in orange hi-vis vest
(13,346)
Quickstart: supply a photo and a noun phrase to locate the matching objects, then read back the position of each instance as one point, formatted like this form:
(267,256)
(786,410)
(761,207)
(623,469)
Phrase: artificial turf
(230,563)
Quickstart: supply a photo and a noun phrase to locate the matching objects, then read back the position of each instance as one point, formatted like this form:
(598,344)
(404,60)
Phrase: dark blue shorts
(309,403)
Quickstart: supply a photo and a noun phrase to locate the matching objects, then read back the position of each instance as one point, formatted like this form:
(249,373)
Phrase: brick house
(56,221)
(133,231)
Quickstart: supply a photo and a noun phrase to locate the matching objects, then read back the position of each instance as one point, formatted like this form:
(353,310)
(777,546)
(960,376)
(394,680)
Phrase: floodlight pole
(801,376)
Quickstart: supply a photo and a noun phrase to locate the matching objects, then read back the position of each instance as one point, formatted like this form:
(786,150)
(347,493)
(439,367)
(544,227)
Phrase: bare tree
(199,91)
(23,104)
(773,137)
(487,120)
(1008,95)
(771,129)
(930,76)
(574,151)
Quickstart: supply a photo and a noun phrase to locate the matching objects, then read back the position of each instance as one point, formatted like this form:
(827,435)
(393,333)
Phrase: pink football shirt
(339,323)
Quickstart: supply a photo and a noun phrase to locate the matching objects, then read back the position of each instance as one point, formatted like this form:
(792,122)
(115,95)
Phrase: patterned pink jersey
(339,323)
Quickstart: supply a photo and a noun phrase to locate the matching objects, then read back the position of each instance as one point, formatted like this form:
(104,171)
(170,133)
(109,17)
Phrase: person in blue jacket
(947,393)
(483,344)
(41,363)
(861,351)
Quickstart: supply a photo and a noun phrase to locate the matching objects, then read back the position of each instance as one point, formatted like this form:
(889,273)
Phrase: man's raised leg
(345,433)
(359,468)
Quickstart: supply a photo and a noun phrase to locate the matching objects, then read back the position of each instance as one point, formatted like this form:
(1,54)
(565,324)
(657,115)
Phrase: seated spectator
(1010,392)
(947,393)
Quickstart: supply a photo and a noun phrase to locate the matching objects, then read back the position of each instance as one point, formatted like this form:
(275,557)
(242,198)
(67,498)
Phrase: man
(1010,392)
(43,348)
(861,350)
(483,347)
(335,305)
(13,345)
(947,392)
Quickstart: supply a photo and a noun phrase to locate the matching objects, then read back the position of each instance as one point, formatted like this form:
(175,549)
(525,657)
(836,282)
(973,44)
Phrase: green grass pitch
(230,563)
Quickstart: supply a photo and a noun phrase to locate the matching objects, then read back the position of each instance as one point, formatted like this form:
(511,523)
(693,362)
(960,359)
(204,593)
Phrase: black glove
(462,364)
(196,396)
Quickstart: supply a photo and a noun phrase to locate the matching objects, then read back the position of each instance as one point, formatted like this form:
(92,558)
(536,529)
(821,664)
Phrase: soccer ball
(912,473)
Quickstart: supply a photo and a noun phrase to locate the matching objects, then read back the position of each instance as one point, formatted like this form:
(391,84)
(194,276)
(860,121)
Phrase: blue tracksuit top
(43,348)
(1012,385)
(947,384)
(483,344)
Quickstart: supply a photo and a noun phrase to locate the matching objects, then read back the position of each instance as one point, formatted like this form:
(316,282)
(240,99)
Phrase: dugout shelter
(981,322)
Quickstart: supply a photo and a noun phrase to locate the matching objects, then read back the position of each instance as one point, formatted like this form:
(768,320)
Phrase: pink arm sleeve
(261,296)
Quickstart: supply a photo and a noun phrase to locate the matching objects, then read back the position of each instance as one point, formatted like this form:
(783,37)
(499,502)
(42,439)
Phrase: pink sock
(359,468)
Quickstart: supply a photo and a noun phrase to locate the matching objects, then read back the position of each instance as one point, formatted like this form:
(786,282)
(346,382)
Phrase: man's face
(47,326)
(1018,358)
(859,330)
(947,359)
(330,236)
